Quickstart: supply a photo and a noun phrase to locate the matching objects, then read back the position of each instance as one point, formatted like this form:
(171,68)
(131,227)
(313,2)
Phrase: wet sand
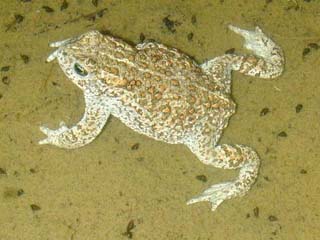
(127,186)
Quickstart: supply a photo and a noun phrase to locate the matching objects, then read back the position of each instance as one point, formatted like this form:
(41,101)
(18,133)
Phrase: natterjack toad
(162,93)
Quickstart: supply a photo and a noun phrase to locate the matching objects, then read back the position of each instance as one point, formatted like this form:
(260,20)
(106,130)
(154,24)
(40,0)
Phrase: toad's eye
(80,70)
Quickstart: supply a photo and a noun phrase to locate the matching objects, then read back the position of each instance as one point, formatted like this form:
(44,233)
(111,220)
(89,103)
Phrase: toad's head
(78,57)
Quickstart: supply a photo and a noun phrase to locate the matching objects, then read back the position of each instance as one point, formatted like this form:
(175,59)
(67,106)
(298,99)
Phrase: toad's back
(148,63)
(166,88)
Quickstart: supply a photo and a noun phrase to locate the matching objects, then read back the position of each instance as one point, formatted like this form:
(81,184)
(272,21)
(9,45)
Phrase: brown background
(106,188)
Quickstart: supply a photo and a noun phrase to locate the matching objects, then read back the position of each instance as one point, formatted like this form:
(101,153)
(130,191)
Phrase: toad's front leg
(227,157)
(85,131)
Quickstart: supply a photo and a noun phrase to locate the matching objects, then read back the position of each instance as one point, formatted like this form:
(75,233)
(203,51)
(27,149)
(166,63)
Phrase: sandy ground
(127,186)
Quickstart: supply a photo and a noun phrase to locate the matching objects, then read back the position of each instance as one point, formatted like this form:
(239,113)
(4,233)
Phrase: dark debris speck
(5,80)
(105,32)
(18,18)
(190,36)
(230,51)
(3,171)
(194,19)
(135,146)
(48,9)
(5,69)
(142,37)
(266,178)
(25,58)
(169,24)
(95,3)
(264,111)
(64,5)
(35,207)
(299,108)
(55,84)
(282,134)
(202,178)
(129,229)
(306,51)
(303,171)
(256,212)
(272,218)
(20,192)
(95,15)
(314,45)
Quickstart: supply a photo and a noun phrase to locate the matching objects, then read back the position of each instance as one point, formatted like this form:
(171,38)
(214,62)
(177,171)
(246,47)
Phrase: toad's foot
(216,194)
(53,135)
(255,41)
(272,60)
(85,131)
(227,157)
(267,60)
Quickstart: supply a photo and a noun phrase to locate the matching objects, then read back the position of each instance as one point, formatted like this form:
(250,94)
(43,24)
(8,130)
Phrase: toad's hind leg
(267,61)
(227,157)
